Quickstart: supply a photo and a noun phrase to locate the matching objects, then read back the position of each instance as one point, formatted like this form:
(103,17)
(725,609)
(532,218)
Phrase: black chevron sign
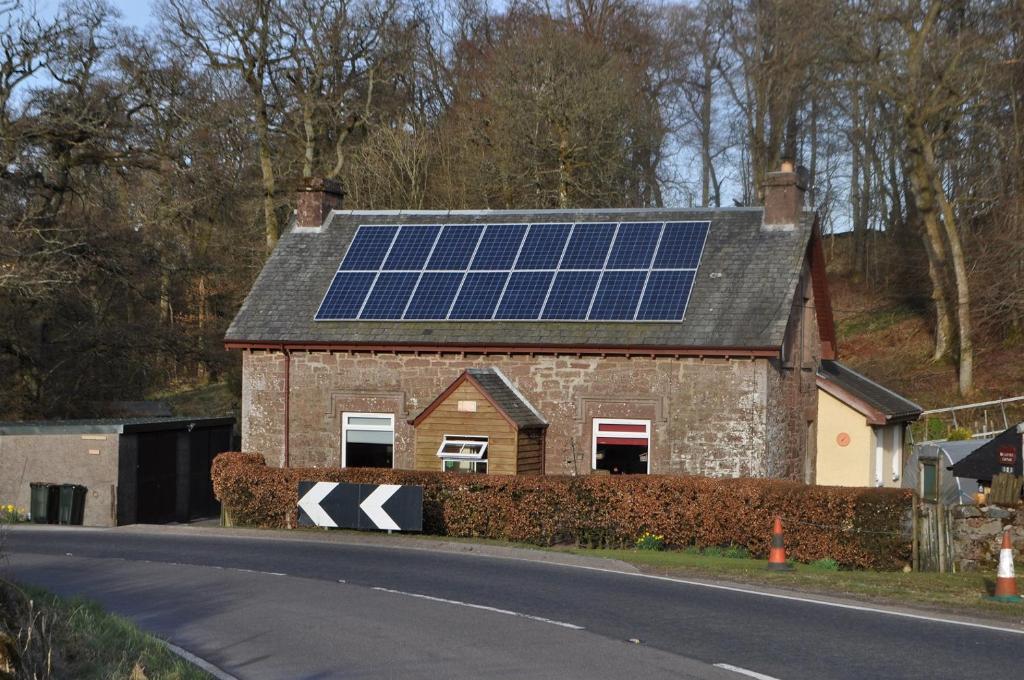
(390,507)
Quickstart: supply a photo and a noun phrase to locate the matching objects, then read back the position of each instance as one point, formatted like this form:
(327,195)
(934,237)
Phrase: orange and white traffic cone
(777,557)
(1006,582)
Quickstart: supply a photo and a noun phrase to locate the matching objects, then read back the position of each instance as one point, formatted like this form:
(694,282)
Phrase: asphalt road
(266,608)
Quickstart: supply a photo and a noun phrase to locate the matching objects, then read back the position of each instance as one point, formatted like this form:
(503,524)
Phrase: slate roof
(892,405)
(109,425)
(507,397)
(741,297)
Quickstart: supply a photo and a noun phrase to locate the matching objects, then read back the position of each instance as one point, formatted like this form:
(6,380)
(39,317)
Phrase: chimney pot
(784,197)
(315,200)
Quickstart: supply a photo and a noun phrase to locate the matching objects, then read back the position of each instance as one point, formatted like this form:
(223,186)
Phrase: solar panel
(455,246)
(524,295)
(389,296)
(634,246)
(346,295)
(618,295)
(369,248)
(681,245)
(499,246)
(585,271)
(570,295)
(479,295)
(411,248)
(434,295)
(543,246)
(666,295)
(588,246)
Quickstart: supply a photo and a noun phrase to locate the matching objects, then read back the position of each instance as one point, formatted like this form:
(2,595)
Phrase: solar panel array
(594,271)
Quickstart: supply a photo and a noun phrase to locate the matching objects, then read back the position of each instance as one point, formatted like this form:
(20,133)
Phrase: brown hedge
(856,527)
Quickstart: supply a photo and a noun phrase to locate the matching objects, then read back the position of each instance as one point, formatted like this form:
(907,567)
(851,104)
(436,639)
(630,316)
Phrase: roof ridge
(540,211)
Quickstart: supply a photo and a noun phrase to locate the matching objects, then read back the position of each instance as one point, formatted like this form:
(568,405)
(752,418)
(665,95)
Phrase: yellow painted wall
(849,465)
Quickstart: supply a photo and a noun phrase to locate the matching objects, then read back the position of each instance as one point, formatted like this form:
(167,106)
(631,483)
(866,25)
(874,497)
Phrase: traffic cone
(777,557)
(1006,582)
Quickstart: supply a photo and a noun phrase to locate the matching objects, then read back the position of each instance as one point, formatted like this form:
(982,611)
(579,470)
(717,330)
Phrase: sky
(135,12)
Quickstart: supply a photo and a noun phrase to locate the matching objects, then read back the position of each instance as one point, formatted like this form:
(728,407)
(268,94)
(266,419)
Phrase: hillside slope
(890,341)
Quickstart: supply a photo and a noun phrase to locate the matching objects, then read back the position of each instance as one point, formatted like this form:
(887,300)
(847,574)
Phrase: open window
(461,453)
(367,440)
(622,447)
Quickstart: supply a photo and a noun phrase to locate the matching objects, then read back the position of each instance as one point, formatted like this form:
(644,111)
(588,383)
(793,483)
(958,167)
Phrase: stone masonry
(709,416)
(977,534)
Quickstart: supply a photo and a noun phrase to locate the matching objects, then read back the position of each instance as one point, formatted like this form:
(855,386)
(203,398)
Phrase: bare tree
(244,38)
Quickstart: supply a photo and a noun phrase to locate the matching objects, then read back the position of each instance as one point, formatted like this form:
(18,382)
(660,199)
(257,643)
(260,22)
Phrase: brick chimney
(315,200)
(784,197)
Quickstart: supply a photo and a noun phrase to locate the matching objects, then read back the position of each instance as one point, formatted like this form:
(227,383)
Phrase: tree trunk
(705,136)
(267,170)
(938,266)
(309,138)
(963,295)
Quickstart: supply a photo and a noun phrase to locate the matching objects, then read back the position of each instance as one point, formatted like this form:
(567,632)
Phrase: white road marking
(508,612)
(793,598)
(200,662)
(744,671)
(747,591)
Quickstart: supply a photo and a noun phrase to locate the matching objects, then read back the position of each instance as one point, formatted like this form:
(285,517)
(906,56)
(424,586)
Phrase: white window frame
(373,428)
(646,434)
(471,439)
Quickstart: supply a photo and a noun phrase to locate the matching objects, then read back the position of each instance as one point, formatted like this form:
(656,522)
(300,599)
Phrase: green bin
(72,503)
(45,502)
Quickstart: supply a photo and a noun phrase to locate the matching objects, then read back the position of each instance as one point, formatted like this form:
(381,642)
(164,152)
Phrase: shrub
(858,527)
(959,434)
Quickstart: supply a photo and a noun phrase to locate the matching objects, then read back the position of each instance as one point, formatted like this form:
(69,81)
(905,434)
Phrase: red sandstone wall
(708,416)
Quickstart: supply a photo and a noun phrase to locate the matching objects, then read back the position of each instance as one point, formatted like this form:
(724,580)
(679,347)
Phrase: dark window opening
(369,455)
(620,459)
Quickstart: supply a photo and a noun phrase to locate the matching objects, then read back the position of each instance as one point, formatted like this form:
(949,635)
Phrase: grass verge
(53,637)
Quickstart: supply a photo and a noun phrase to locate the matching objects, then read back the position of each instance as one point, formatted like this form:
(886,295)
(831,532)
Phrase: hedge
(857,527)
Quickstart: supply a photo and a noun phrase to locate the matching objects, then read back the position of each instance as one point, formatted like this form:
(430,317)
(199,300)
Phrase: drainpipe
(287,401)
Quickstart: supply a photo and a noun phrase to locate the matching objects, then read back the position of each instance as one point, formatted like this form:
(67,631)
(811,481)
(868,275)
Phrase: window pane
(378,421)
(465,466)
(928,481)
(369,436)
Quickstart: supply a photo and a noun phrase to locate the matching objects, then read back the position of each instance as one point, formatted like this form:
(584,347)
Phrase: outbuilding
(862,428)
(134,470)
(1000,455)
(662,341)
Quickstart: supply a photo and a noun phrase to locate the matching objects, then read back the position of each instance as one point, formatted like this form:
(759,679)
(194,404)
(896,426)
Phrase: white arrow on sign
(310,502)
(373,506)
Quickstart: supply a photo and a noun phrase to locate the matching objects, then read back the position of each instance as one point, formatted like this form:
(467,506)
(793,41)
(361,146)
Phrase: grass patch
(873,321)
(75,638)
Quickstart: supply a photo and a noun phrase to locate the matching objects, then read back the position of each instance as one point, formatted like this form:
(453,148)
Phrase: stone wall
(709,416)
(86,459)
(792,390)
(977,534)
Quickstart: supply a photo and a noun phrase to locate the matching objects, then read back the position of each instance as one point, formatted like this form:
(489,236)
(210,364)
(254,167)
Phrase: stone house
(663,341)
